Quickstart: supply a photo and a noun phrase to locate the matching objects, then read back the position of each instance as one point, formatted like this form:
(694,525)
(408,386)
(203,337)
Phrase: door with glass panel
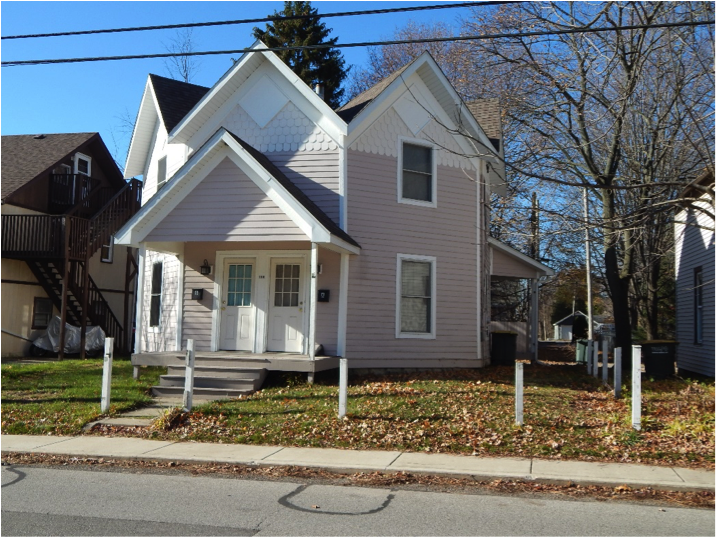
(237,309)
(286,306)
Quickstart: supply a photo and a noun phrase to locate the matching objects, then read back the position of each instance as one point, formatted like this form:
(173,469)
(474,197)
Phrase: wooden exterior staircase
(58,248)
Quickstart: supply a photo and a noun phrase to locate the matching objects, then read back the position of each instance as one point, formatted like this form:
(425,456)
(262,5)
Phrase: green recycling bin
(581,350)
(658,356)
(503,347)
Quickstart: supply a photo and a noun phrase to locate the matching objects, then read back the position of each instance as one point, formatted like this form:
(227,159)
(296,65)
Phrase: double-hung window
(155,304)
(161,173)
(83,164)
(698,301)
(417,174)
(415,296)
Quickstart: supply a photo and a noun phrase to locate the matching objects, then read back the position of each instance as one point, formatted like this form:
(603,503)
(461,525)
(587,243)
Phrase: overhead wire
(537,33)
(265,19)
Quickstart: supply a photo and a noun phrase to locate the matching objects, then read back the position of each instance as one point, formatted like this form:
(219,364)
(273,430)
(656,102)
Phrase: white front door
(237,309)
(286,306)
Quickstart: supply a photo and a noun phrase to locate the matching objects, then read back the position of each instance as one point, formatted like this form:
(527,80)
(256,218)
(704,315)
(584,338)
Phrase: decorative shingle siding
(382,139)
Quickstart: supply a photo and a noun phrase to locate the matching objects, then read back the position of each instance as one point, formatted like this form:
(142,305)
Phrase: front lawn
(568,414)
(58,398)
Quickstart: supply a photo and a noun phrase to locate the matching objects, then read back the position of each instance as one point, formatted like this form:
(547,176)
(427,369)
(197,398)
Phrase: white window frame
(156,328)
(434,172)
(400,258)
(162,183)
(110,251)
(87,158)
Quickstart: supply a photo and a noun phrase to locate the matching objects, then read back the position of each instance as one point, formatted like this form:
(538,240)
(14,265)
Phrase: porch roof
(317,226)
(520,264)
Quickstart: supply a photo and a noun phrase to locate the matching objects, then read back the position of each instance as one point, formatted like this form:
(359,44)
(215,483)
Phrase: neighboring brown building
(63,197)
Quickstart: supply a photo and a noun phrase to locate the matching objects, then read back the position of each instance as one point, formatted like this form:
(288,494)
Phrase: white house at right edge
(272,223)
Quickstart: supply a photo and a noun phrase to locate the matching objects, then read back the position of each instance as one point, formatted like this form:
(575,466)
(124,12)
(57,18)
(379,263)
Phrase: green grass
(568,414)
(58,398)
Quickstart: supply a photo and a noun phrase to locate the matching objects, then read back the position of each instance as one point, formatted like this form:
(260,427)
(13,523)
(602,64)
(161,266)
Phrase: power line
(264,19)
(12,63)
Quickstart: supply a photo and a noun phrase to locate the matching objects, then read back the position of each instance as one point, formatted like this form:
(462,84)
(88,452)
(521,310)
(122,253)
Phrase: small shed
(563,329)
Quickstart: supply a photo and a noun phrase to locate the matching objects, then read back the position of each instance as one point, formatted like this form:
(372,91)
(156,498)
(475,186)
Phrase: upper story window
(83,164)
(417,174)
(161,172)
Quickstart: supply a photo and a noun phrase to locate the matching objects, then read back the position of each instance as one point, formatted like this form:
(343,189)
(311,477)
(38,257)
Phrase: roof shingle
(175,98)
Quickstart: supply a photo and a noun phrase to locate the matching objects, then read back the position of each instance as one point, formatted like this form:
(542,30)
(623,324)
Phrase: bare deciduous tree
(182,66)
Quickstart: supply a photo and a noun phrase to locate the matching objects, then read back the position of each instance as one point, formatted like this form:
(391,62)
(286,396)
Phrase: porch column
(312,299)
(534,318)
(343,305)
(139,317)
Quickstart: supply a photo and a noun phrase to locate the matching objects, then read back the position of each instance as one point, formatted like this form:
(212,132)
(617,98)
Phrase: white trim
(542,270)
(110,251)
(222,145)
(156,328)
(434,172)
(139,302)
(180,299)
(313,275)
(417,258)
(343,180)
(76,157)
(343,305)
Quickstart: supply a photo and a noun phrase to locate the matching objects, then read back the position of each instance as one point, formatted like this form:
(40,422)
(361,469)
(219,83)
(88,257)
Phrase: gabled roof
(569,319)
(175,98)
(311,219)
(25,157)
(521,258)
(487,112)
(351,109)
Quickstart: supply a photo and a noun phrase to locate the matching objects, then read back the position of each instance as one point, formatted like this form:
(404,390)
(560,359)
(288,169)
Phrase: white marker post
(107,374)
(636,387)
(189,377)
(343,385)
(617,374)
(596,349)
(604,360)
(519,393)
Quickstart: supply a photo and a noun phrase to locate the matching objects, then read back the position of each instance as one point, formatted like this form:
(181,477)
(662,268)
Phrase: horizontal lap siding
(695,248)
(504,265)
(384,228)
(327,313)
(226,206)
(316,174)
(197,318)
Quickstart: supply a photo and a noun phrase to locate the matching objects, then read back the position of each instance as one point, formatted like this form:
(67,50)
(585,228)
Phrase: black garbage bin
(658,356)
(503,346)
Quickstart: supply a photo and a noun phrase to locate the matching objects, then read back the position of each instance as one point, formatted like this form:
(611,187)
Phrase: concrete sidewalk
(551,471)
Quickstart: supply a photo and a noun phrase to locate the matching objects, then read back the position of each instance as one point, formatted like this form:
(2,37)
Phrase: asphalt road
(40,501)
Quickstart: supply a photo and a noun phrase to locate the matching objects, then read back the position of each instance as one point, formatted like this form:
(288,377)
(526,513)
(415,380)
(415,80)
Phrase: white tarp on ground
(50,341)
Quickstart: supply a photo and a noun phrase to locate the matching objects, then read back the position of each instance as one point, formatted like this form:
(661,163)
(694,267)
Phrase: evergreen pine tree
(314,66)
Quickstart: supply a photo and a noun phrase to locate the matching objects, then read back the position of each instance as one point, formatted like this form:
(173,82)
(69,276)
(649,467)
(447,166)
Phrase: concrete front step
(221,371)
(200,393)
(206,382)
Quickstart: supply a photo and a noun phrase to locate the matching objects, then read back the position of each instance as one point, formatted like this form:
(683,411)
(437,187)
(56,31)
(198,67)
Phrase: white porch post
(139,317)
(343,305)
(534,318)
(312,299)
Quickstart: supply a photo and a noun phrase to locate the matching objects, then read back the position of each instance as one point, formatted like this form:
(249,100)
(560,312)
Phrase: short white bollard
(604,360)
(343,385)
(107,374)
(189,377)
(636,388)
(519,393)
(617,374)
(596,350)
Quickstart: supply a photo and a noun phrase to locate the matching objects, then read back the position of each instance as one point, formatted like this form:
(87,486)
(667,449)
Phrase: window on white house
(161,173)
(41,313)
(155,295)
(699,311)
(416,287)
(417,174)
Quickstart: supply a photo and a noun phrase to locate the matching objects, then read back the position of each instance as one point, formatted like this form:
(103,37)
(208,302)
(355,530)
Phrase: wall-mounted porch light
(205,269)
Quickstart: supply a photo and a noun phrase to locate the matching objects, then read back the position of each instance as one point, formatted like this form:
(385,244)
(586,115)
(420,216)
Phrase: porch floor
(277,361)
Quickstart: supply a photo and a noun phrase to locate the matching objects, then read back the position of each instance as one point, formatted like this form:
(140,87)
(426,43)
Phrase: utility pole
(588,266)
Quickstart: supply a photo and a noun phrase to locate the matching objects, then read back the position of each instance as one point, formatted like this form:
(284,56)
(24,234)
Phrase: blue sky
(88,97)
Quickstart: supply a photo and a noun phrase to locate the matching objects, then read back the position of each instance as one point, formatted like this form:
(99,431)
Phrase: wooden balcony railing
(33,236)
(69,190)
